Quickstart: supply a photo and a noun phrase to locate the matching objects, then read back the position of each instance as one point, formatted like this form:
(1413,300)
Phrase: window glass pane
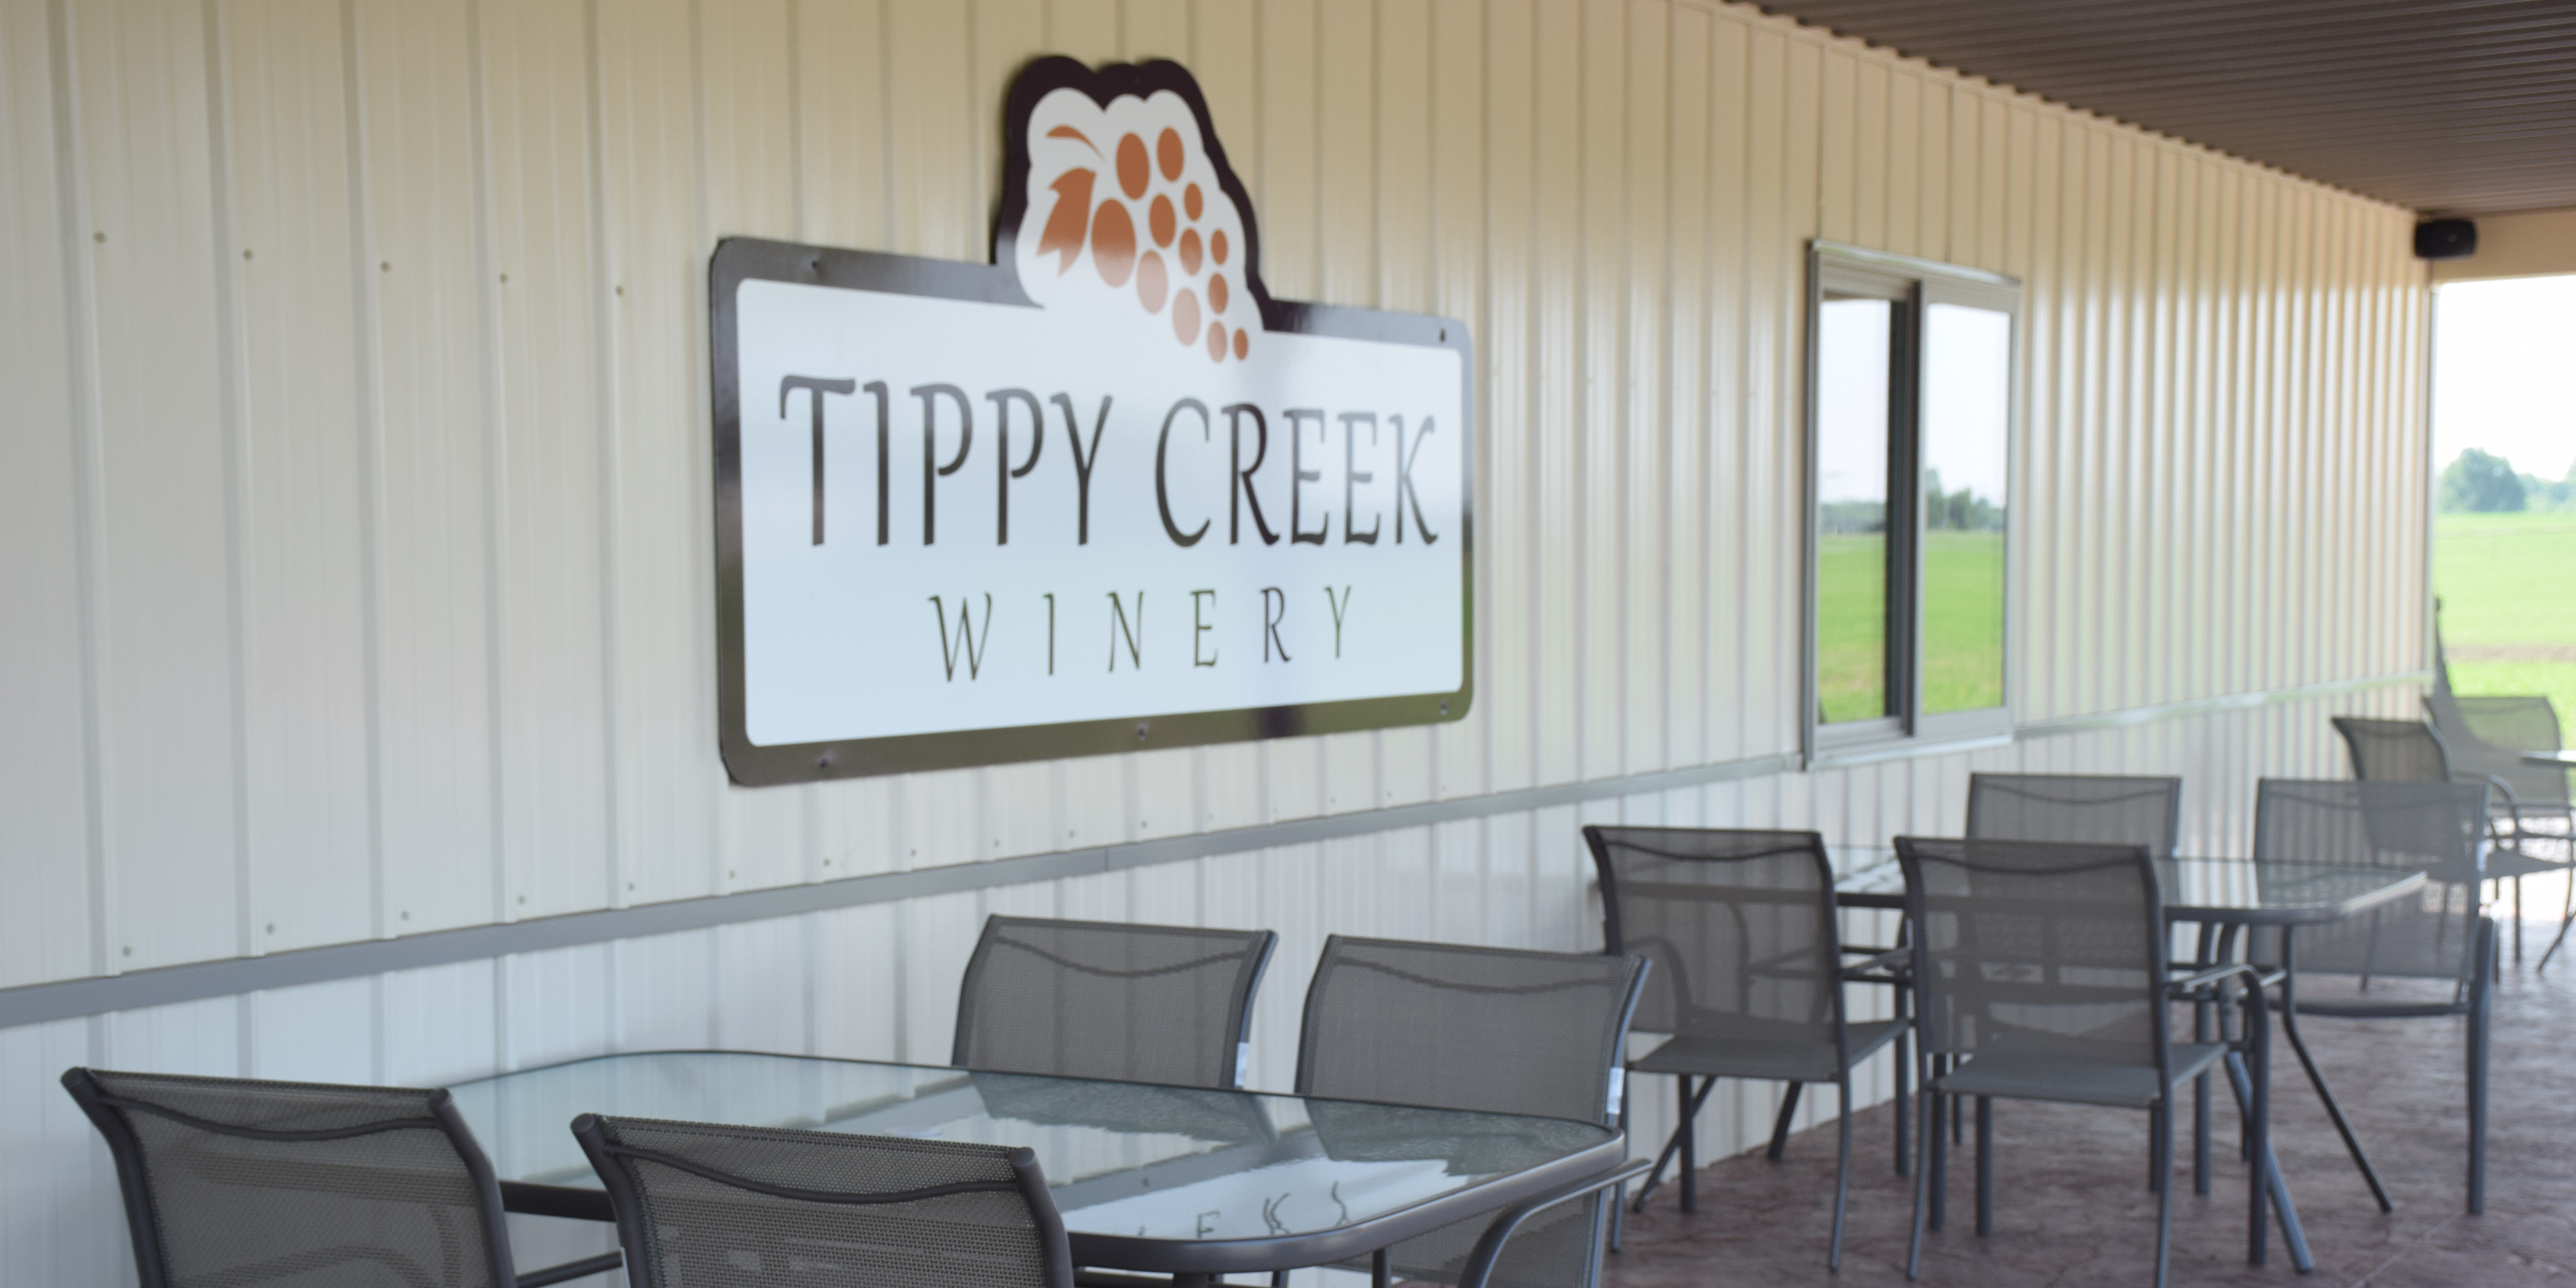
(1967,383)
(1852,355)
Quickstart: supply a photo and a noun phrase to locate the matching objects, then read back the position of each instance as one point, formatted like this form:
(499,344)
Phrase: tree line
(2481,483)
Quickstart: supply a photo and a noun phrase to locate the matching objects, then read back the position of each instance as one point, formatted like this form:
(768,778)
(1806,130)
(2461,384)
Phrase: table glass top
(1121,1158)
(2205,888)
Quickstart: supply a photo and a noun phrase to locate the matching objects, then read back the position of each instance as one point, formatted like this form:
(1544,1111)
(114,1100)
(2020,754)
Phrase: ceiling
(2448,106)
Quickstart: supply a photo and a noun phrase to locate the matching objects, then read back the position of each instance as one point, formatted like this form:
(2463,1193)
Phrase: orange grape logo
(1139,224)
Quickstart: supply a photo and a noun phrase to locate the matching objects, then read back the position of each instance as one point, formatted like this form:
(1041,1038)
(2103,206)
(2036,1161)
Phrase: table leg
(1680,1140)
(2316,1077)
(1690,1148)
(2278,1189)
(2205,957)
(1379,1274)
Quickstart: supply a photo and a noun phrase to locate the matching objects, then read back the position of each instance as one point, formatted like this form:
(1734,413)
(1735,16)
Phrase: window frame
(1914,285)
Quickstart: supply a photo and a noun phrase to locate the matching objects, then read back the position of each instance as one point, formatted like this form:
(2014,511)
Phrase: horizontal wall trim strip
(2214,706)
(228,977)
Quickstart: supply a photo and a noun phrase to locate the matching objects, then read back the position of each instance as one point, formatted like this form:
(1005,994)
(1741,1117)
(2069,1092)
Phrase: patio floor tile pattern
(2072,1206)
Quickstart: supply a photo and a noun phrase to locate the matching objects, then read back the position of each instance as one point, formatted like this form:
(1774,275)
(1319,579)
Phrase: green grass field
(1963,621)
(1851,626)
(2508,617)
(1963,629)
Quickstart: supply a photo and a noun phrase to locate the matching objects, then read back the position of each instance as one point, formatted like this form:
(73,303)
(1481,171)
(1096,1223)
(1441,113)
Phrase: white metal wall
(355,497)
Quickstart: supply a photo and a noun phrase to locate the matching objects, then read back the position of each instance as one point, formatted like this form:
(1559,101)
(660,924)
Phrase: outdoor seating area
(1462,1110)
(725,643)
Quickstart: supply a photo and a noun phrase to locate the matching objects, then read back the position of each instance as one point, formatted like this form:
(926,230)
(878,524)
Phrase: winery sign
(1103,493)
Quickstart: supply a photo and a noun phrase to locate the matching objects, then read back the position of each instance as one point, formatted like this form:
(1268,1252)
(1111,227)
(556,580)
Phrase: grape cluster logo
(1136,227)
(1101,494)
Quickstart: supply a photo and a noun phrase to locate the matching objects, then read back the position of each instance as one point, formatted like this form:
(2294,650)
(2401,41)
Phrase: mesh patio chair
(2088,809)
(239,1182)
(2040,970)
(2487,735)
(2441,933)
(706,1206)
(1087,999)
(1748,975)
(1496,1030)
(2414,751)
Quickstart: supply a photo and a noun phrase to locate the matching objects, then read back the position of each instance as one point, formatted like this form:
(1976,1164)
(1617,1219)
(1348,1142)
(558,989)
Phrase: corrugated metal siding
(356,488)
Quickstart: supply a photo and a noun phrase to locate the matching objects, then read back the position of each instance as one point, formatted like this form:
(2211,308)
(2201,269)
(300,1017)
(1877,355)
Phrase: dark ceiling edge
(2016,91)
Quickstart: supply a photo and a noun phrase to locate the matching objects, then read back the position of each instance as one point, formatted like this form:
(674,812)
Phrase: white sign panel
(1102,494)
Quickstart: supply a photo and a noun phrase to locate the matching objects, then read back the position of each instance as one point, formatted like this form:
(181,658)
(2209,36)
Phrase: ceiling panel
(2447,106)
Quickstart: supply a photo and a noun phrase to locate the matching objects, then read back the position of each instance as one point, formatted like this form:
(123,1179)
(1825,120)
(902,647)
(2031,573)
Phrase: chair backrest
(237,1181)
(2370,824)
(1740,927)
(1449,1026)
(2040,949)
(1087,999)
(700,1205)
(2486,735)
(2439,827)
(2403,751)
(2088,809)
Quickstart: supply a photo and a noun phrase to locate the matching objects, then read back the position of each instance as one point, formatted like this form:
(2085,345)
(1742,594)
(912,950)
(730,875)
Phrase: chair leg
(1905,1091)
(2517,921)
(2163,1148)
(1781,1124)
(1922,1184)
(2481,1023)
(1985,1166)
(1958,1124)
(1937,1110)
(1842,1170)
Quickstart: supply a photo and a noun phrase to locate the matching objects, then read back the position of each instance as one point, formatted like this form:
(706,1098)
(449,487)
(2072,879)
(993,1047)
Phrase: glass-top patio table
(2210,891)
(1180,1180)
(2224,896)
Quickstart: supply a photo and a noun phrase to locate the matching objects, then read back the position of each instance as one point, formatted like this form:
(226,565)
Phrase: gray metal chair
(2087,809)
(701,1205)
(2440,934)
(2487,735)
(2414,751)
(1748,975)
(1497,1030)
(2040,971)
(240,1182)
(1087,999)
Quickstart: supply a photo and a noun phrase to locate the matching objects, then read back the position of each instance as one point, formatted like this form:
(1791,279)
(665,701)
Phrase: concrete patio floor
(2072,1206)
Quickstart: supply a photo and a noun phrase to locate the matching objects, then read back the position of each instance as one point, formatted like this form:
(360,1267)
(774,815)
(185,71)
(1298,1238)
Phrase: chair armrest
(601,1264)
(2491,780)
(1892,960)
(2207,976)
(1489,1247)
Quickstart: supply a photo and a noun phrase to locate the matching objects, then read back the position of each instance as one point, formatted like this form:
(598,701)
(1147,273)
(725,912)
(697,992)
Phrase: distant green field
(1851,627)
(1963,621)
(1963,636)
(2507,583)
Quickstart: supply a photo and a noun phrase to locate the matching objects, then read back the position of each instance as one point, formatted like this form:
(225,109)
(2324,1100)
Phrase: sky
(2504,372)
